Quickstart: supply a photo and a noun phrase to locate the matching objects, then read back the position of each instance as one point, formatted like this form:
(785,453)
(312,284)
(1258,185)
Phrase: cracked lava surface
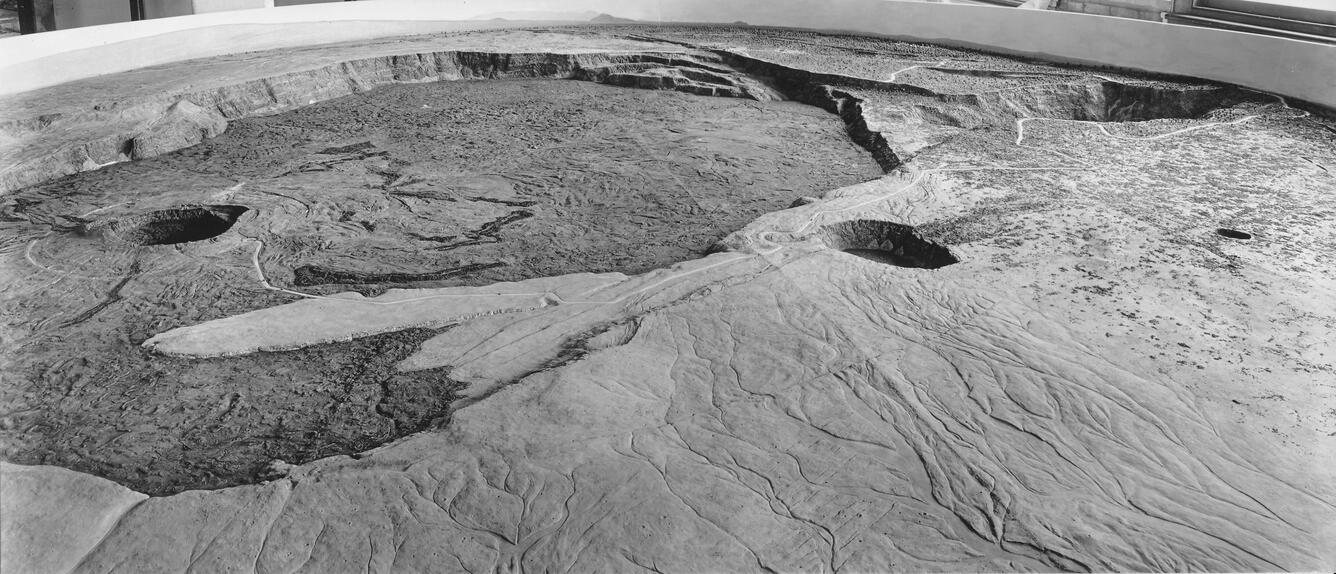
(449,183)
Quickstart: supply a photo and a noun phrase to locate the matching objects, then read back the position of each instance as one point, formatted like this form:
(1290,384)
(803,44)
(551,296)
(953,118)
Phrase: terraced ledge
(903,110)
(43,149)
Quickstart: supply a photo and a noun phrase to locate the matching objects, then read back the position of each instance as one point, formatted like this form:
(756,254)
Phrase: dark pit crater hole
(1233,233)
(888,243)
(177,225)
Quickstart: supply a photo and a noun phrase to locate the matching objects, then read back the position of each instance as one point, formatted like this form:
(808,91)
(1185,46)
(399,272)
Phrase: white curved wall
(1293,68)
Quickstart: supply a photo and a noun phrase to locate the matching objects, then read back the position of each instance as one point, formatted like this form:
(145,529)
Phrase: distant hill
(609,19)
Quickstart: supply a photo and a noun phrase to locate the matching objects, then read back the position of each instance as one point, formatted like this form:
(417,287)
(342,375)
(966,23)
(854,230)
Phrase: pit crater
(887,243)
(185,224)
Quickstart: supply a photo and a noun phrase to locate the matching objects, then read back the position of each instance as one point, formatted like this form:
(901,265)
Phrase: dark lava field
(424,185)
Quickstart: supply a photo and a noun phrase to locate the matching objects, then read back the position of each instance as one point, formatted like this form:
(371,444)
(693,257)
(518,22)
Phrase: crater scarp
(888,243)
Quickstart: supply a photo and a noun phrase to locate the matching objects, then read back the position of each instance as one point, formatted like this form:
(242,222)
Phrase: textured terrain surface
(1039,342)
(448,183)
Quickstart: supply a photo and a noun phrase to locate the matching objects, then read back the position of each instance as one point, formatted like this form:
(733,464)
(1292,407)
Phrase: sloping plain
(1102,381)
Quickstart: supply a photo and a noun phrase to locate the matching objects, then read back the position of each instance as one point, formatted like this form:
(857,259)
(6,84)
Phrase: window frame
(1255,16)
